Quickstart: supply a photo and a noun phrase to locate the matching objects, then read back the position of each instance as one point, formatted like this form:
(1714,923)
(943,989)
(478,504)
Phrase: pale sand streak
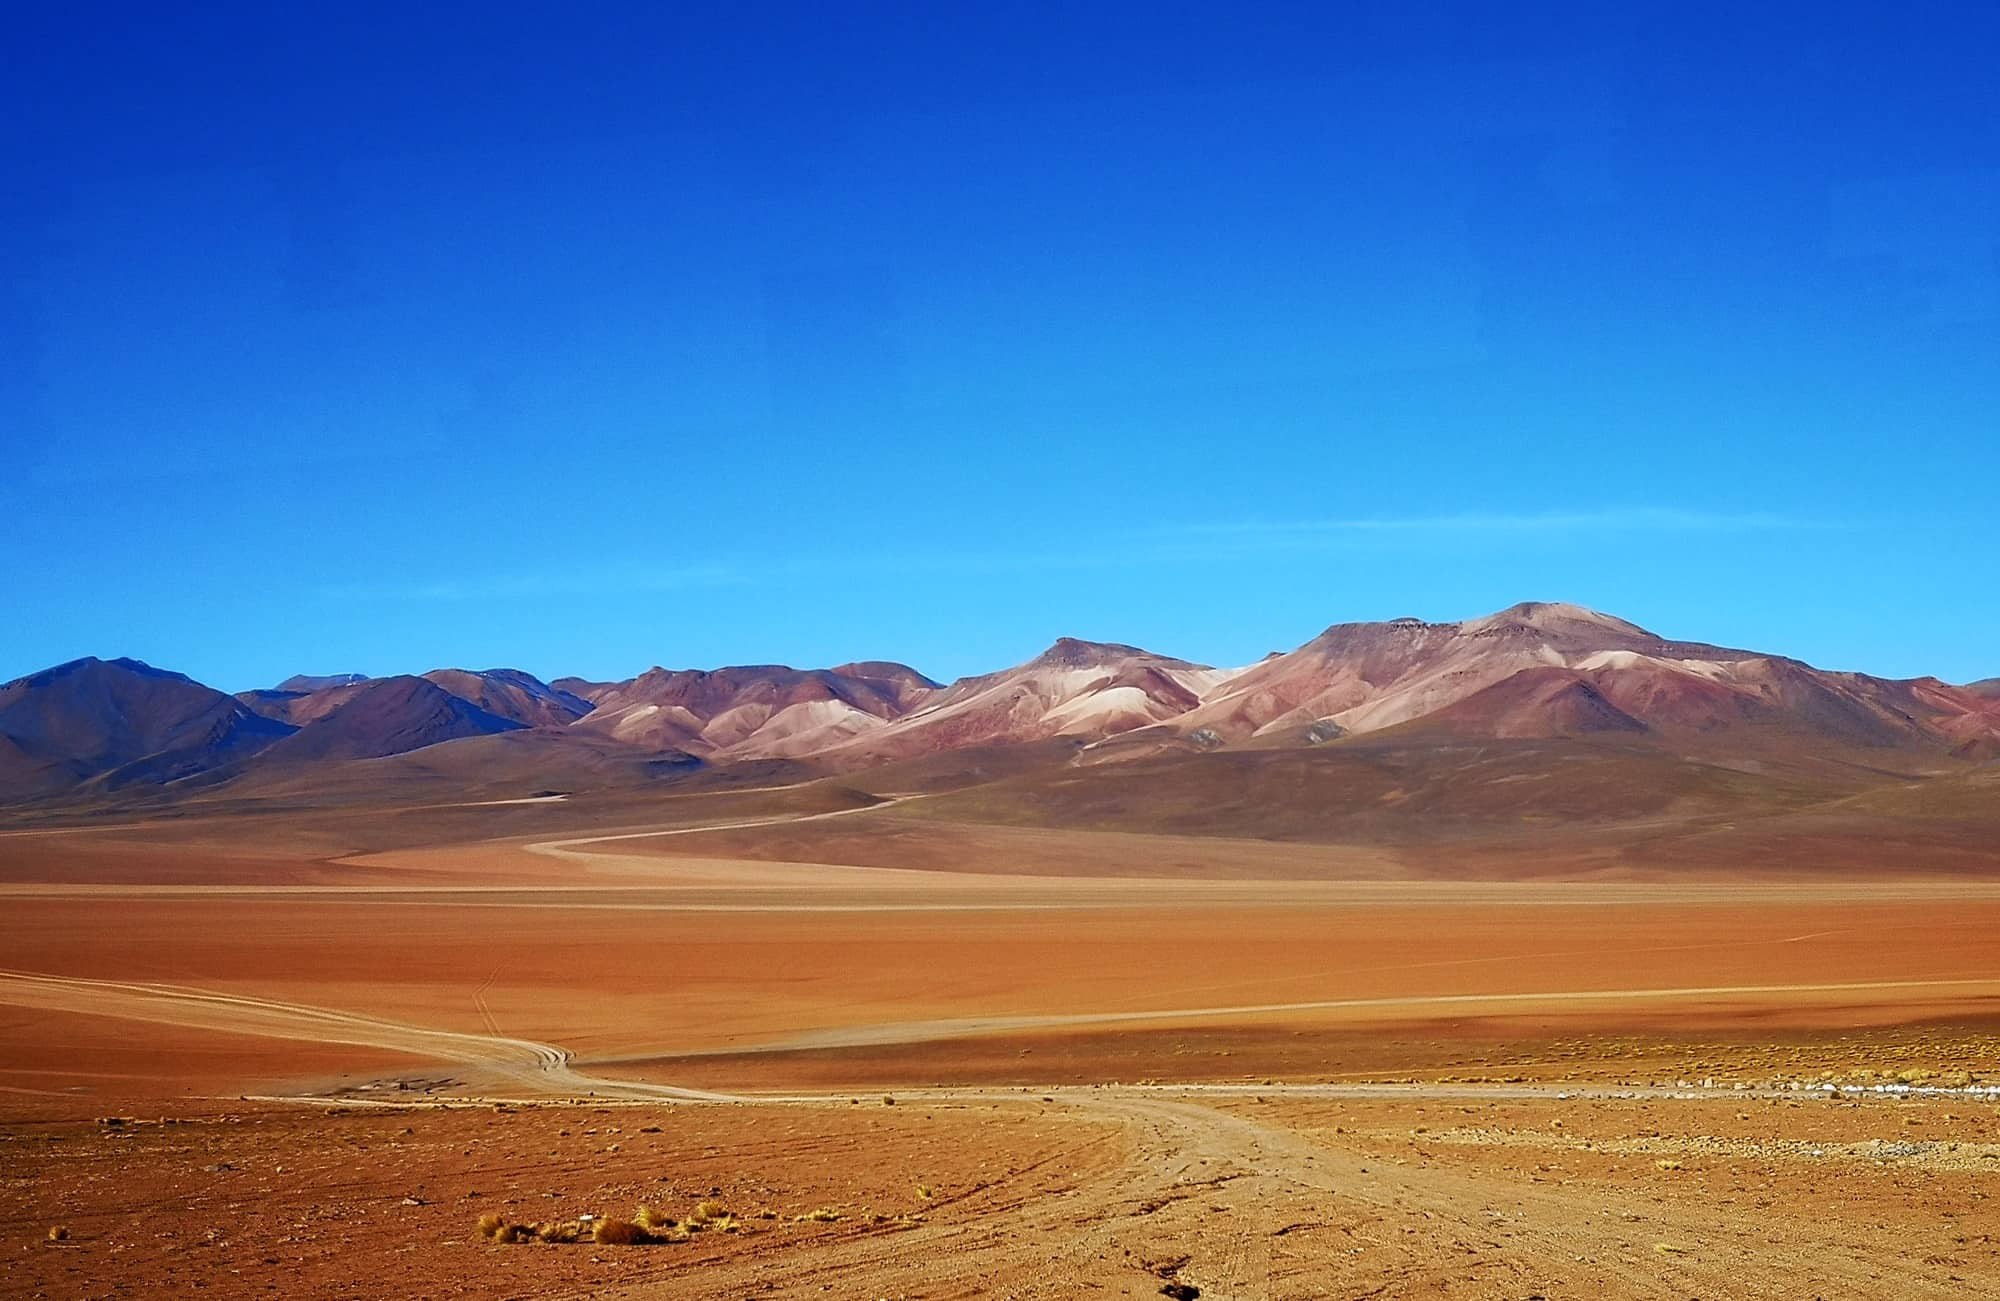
(521,1061)
(909,1032)
(548,1068)
(562,848)
(743,885)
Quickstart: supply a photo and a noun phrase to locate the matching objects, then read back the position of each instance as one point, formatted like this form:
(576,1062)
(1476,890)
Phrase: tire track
(1239,1207)
(566,848)
(909,1032)
(540,1067)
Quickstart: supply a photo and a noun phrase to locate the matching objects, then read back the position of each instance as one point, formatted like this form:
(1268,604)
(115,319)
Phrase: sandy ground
(1054,1195)
(1118,1083)
(635,977)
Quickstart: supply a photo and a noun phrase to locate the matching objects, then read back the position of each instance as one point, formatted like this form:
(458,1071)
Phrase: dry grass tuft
(821,1215)
(712,1216)
(647,1227)
(619,1233)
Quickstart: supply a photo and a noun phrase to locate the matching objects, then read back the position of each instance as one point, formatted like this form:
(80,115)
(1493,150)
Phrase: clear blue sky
(381,342)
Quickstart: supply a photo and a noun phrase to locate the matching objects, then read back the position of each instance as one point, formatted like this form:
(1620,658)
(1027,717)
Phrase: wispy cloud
(1108,548)
(1624,519)
(526,584)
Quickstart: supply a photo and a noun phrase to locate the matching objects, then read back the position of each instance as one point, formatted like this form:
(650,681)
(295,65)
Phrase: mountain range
(119,731)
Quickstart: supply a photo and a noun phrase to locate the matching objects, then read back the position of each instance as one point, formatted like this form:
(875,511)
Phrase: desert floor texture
(303,1056)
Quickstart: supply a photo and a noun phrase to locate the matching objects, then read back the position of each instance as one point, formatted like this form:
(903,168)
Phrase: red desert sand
(239,1063)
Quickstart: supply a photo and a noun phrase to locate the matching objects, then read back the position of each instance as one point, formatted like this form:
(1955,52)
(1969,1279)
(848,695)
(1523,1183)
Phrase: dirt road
(537,1068)
(1219,1188)
(1249,1189)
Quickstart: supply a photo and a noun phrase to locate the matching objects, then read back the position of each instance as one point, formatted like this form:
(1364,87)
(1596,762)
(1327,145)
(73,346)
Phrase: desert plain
(853,1049)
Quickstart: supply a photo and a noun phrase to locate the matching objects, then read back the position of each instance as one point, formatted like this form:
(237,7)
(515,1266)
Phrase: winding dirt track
(567,848)
(536,1067)
(549,1070)
(1249,1209)
(1208,1185)
(1243,1209)
(912,1032)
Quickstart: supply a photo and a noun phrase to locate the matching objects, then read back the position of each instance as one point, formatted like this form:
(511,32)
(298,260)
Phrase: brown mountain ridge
(1538,671)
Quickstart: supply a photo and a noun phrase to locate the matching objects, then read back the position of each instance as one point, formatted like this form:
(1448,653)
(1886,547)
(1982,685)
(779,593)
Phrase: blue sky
(504,337)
